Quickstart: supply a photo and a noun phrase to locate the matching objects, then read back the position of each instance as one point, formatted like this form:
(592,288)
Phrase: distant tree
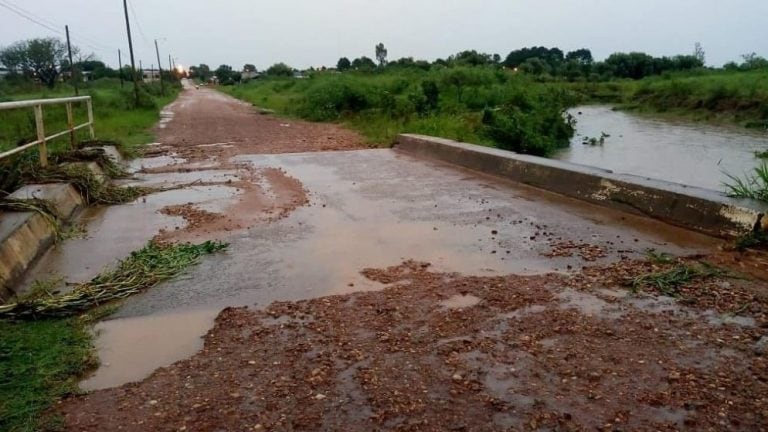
(40,58)
(471,58)
(96,69)
(634,65)
(200,73)
(535,66)
(226,75)
(496,59)
(698,52)
(381,54)
(363,63)
(753,61)
(583,56)
(280,70)
(552,56)
(343,64)
(249,68)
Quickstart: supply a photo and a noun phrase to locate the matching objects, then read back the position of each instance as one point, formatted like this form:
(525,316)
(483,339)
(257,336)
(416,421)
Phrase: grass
(752,186)
(669,281)
(762,154)
(39,363)
(45,342)
(116,119)
(721,97)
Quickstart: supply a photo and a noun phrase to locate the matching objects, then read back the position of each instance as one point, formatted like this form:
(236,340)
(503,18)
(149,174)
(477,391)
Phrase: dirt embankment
(436,352)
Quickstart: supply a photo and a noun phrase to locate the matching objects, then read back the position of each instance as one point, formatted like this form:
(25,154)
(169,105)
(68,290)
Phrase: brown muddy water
(693,154)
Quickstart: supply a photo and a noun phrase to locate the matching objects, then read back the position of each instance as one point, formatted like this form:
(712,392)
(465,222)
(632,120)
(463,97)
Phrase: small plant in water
(668,282)
(762,154)
(595,141)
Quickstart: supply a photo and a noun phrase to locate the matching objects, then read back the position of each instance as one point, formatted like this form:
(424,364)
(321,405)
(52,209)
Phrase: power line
(138,24)
(50,25)
(29,18)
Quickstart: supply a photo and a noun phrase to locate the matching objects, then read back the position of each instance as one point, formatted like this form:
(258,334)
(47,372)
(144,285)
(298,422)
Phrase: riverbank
(723,98)
(453,103)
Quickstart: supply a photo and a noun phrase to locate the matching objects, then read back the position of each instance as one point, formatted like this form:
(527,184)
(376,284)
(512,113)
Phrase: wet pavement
(367,209)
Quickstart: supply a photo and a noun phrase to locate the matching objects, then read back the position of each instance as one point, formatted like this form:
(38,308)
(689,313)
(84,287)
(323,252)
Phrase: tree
(583,56)
(381,54)
(698,52)
(363,63)
(226,75)
(280,70)
(249,68)
(38,58)
(552,56)
(201,73)
(343,64)
(535,66)
(471,58)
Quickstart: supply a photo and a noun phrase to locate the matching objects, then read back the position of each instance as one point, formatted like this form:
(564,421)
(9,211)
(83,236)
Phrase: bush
(531,124)
(329,99)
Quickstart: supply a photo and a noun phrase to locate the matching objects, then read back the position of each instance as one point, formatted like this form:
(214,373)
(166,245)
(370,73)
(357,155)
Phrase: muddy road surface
(365,289)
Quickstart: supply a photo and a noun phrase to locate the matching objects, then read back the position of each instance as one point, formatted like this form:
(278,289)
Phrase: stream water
(682,152)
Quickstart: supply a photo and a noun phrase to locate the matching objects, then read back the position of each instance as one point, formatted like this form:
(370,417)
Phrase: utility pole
(120,63)
(71,64)
(170,65)
(130,48)
(159,70)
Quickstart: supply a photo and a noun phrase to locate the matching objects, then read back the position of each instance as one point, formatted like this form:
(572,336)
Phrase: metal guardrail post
(41,135)
(71,126)
(89,103)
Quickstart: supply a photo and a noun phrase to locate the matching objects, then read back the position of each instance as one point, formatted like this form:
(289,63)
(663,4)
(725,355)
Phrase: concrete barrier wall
(694,208)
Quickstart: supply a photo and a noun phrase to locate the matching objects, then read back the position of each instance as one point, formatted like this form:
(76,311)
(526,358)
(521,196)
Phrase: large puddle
(688,153)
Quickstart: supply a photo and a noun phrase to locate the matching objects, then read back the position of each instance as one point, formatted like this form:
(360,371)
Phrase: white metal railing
(42,139)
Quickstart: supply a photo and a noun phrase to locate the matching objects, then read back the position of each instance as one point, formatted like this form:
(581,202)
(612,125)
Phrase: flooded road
(694,154)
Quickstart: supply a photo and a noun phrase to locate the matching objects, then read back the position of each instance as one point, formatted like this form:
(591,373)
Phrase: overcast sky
(307,33)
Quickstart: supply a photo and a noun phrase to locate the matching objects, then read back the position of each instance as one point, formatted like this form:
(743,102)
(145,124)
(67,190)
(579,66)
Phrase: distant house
(150,75)
(249,75)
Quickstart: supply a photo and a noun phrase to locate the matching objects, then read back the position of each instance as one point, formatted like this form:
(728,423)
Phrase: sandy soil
(437,352)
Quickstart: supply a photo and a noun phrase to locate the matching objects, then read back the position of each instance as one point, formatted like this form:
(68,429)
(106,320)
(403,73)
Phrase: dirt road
(369,290)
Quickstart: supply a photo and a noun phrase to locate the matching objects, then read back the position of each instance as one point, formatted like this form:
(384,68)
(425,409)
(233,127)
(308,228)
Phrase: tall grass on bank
(714,96)
(752,186)
(482,105)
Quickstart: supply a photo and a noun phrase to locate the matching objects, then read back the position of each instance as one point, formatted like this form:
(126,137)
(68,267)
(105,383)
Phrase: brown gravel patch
(551,352)
(263,195)
(210,125)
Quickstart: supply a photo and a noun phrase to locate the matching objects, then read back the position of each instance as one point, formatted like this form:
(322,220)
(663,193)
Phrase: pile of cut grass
(142,270)
(668,282)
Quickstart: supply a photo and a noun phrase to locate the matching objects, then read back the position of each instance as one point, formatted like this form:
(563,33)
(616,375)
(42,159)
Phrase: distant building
(150,75)
(249,75)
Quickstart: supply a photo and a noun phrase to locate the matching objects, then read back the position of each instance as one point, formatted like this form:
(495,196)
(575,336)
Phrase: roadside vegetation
(45,338)
(45,342)
(39,69)
(516,103)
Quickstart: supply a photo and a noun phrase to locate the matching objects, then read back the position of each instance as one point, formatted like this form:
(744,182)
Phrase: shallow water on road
(694,154)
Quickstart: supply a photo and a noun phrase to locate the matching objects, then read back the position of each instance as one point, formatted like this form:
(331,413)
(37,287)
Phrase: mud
(532,353)
(208,125)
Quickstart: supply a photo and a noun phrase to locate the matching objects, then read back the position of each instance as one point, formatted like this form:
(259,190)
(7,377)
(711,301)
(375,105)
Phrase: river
(694,154)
